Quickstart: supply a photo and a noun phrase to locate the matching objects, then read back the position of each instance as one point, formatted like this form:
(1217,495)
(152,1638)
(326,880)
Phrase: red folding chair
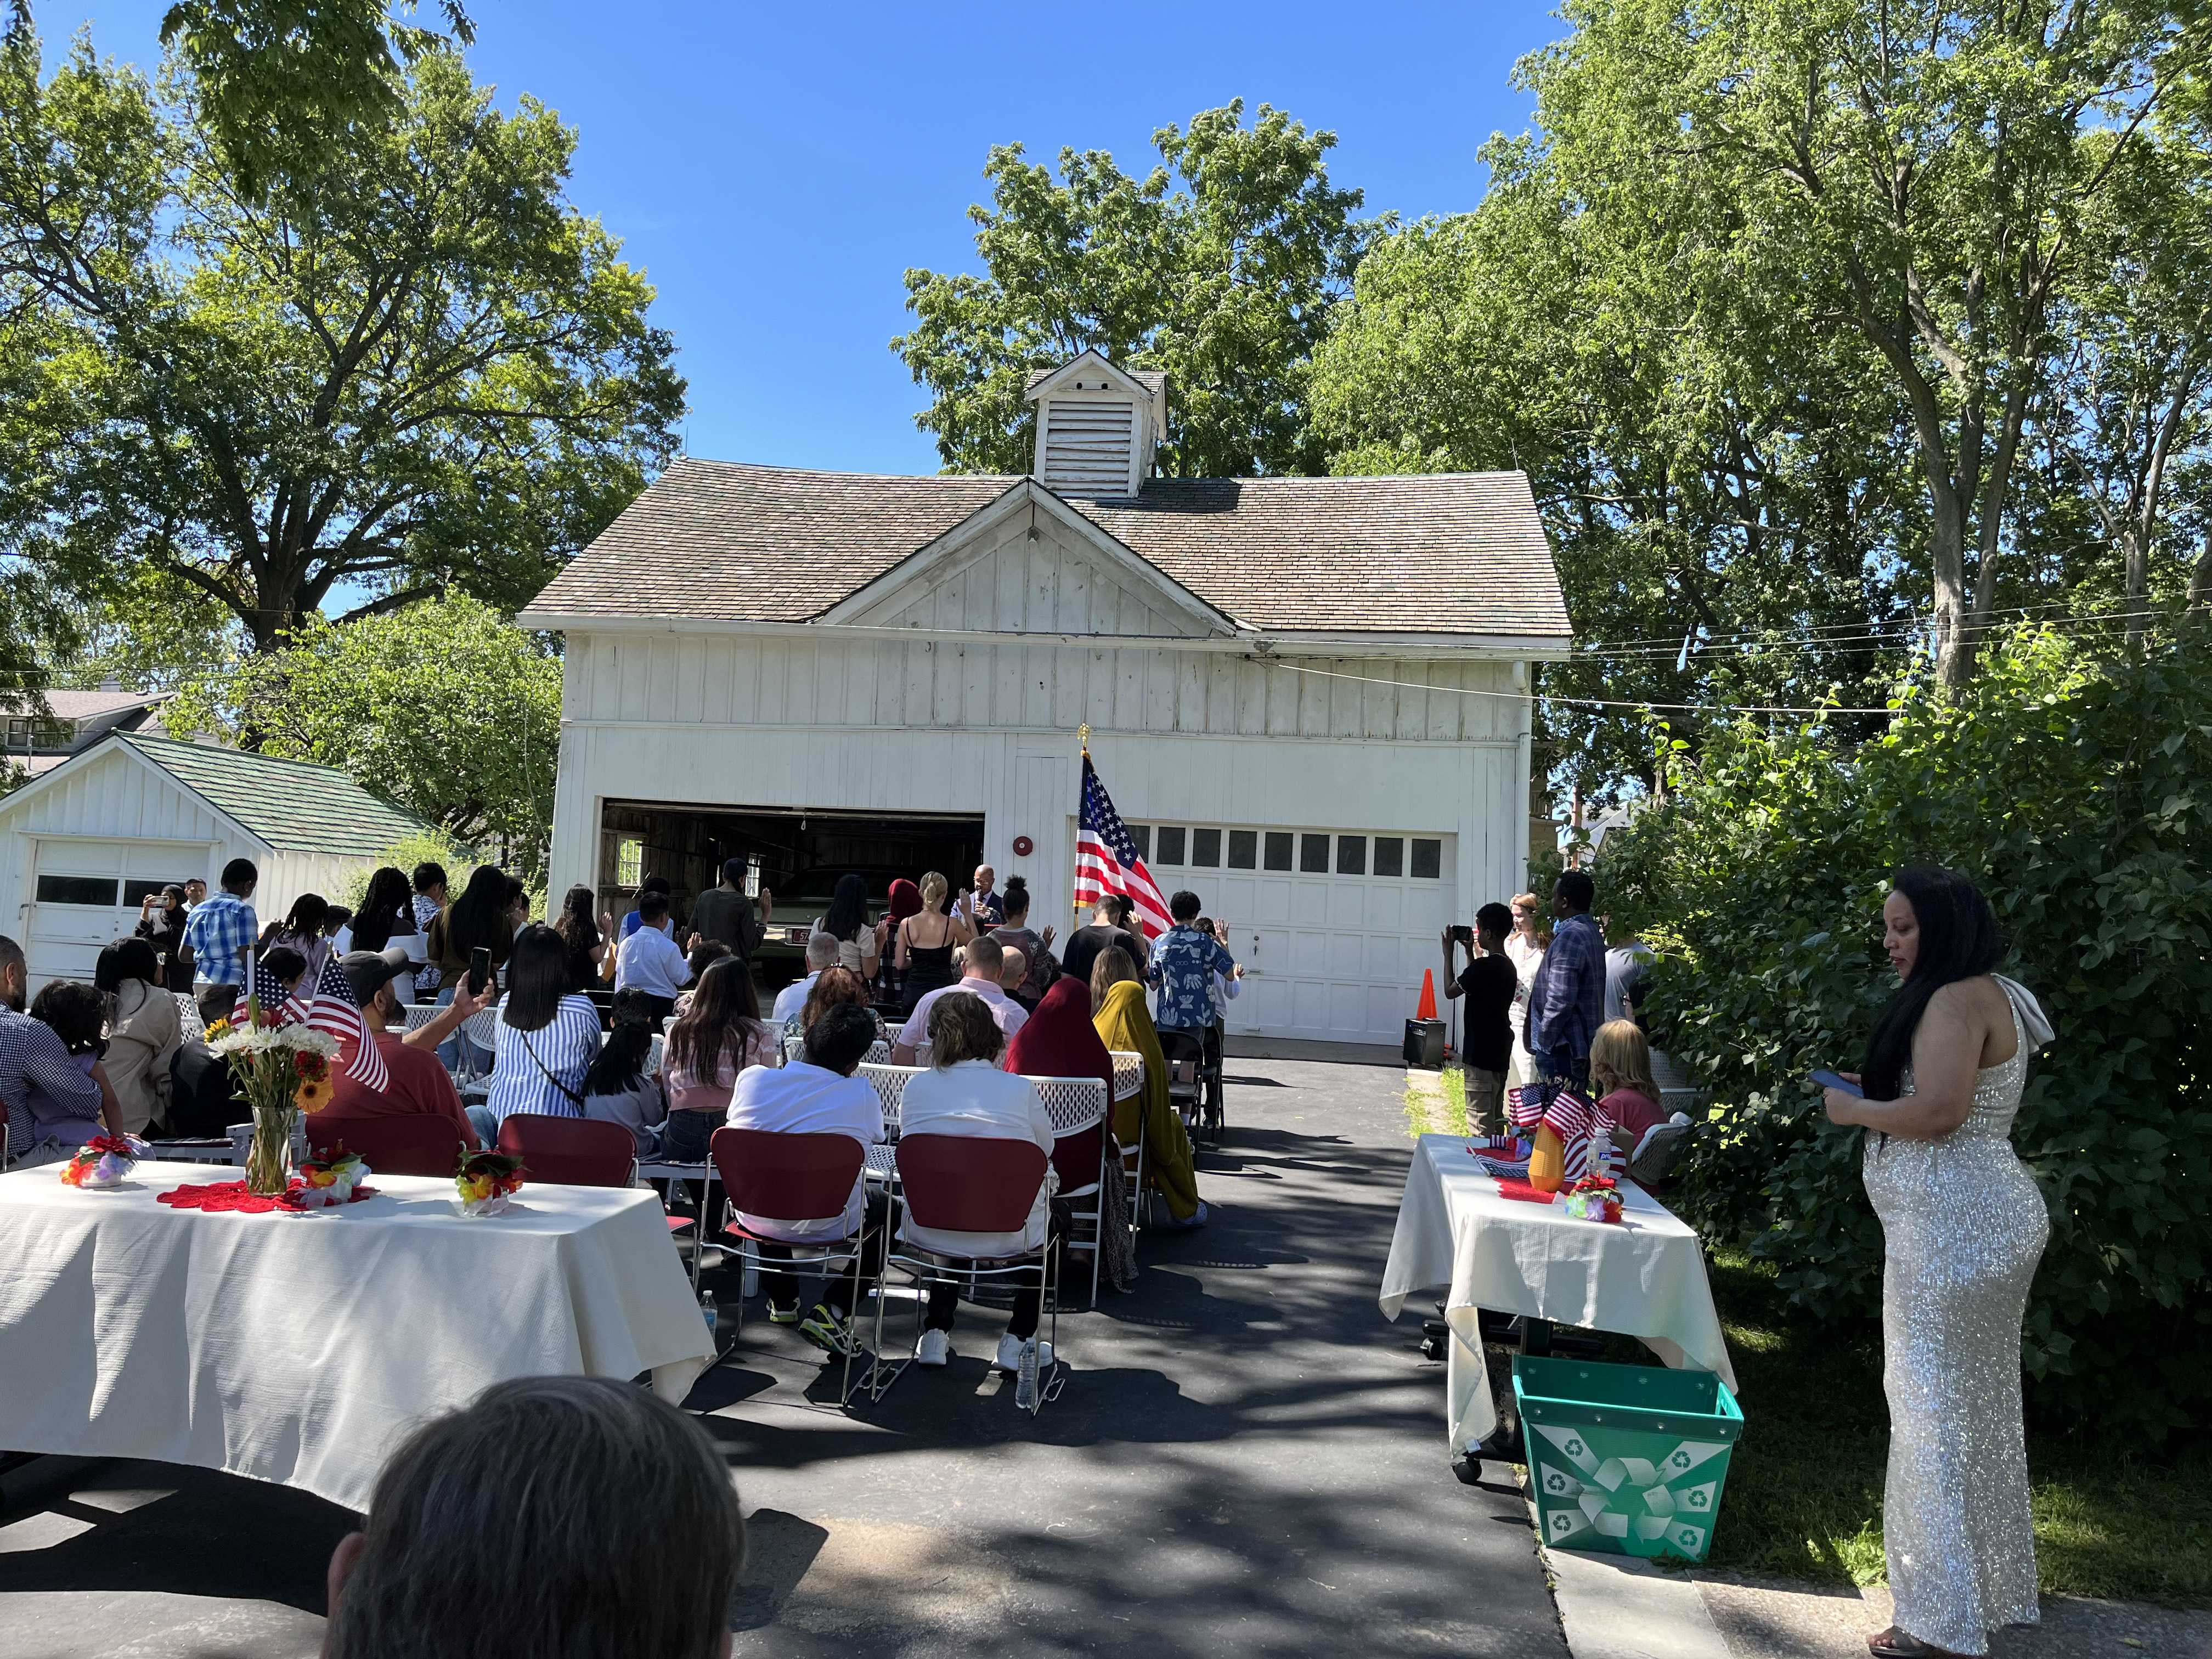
(569,1151)
(409,1144)
(788,1178)
(967,1184)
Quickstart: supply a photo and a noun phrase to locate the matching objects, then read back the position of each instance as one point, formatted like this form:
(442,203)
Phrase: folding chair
(1129,1080)
(1656,1151)
(1185,1053)
(571,1151)
(889,1083)
(666,1172)
(967,1184)
(1077,1106)
(791,1178)
(409,1144)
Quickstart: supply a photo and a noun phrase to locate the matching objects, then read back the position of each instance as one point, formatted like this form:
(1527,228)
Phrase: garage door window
(1389,855)
(1243,848)
(1170,845)
(1142,835)
(1428,859)
(1278,850)
(1352,855)
(1205,849)
(77,890)
(1313,854)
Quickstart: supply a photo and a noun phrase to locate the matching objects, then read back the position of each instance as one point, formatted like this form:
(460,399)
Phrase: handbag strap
(547,1075)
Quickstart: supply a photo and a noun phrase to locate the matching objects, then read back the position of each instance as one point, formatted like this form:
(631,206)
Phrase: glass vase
(269,1159)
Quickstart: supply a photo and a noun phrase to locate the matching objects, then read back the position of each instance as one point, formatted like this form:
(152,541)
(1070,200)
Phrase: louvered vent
(1088,446)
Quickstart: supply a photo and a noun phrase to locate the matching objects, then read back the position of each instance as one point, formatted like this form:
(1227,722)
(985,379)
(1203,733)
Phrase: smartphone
(1462,933)
(479,969)
(1827,1079)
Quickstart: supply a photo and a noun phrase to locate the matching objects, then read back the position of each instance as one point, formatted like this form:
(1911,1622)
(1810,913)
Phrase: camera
(1463,934)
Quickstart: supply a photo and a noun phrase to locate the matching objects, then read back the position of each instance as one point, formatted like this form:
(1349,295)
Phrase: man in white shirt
(818,1094)
(986,957)
(649,961)
(821,952)
(965,1094)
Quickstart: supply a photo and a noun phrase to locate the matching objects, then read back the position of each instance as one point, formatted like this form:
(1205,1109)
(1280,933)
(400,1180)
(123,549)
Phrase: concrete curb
(1617,1606)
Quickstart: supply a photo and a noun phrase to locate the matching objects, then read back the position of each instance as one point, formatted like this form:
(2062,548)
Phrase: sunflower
(313,1094)
(221,1029)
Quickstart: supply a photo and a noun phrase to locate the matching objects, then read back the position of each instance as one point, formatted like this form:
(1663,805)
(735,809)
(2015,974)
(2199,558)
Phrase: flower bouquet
(103,1162)
(330,1179)
(281,1070)
(486,1182)
(1595,1198)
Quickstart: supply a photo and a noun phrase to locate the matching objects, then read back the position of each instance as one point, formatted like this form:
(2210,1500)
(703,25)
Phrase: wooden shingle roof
(1432,553)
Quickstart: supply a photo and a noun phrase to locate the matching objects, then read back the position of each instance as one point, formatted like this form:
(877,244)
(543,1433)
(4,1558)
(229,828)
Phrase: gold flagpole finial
(1083,736)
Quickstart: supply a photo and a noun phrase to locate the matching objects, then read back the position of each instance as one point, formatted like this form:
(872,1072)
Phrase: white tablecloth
(1643,1276)
(300,1348)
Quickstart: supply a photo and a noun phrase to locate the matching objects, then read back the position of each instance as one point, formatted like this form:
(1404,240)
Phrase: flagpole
(1083,741)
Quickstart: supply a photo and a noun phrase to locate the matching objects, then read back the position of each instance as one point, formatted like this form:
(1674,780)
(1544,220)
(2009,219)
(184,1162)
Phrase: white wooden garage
(83,844)
(1309,693)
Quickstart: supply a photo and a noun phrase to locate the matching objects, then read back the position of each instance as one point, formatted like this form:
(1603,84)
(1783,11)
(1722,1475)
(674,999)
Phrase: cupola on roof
(1098,426)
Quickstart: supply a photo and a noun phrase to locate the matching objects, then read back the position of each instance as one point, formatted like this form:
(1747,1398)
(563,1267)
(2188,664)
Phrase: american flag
(335,1013)
(1577,1121)
(284,1007)
(1106,858)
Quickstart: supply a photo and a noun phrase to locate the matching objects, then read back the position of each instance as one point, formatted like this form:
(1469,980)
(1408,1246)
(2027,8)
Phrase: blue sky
(776,170)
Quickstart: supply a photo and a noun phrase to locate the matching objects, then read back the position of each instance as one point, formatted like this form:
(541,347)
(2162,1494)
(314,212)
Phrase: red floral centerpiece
(103,1162)
(1595,1198)
(486,1182)
(330,1179)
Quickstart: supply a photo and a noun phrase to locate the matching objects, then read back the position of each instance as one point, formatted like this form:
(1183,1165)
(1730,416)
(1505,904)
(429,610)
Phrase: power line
(1591,702)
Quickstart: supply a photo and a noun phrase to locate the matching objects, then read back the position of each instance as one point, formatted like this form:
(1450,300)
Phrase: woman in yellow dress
(1117,1001)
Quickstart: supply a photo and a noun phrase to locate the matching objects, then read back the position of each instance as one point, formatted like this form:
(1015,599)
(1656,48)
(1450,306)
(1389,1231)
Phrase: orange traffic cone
(1427,1009)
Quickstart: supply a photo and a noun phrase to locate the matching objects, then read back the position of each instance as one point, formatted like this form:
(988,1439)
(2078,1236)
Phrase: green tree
(420,369)
(1221,266)
(447,709)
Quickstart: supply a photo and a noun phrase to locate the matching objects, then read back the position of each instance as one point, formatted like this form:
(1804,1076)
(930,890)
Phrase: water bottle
(706,1311)
(1025,1380)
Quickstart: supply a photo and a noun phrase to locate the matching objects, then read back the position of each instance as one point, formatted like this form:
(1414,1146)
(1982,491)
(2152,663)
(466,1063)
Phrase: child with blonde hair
(1621,1076)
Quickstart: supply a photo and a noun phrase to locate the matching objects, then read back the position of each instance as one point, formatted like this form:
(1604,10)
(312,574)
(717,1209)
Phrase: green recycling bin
(1629,1460)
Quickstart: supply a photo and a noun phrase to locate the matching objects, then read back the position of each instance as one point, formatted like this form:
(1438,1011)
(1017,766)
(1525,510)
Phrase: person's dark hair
(218,1001)
(656,884)
(1576,888)
(238,872)
(127,958)
(382,907)
(725,996)
(515,890)
(557,1516)
(848,908)
(1958,940)
(632,1006)
(1184,906)
(76,1010)
(337,919)
(428,875)
(578,924)
(1118,906)
(834,988)
(652,908)
(537,977)
(283,962)
(477,920)
(621,1059)
(704,954)
(304,919)
(1109,969)
(1014,898)
(840,1039)
(961,1028)
(1494,918)
(733,872)
(11,954)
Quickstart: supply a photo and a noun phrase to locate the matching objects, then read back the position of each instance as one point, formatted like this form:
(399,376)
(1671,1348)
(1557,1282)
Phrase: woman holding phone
(1964,1227)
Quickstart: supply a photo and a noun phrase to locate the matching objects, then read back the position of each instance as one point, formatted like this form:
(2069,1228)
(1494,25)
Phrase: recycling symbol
(1573,1448)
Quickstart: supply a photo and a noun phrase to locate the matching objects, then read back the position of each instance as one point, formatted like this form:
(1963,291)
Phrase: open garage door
(798,853)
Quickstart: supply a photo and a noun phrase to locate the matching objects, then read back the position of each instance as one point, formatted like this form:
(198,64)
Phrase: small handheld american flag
(284,1007)
(335,1013)
(1106,858)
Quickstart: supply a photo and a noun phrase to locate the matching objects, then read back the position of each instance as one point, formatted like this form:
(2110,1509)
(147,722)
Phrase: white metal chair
(1077,1104)
(889,1083)
(880,1052)
(1129,1079)
(661,1170)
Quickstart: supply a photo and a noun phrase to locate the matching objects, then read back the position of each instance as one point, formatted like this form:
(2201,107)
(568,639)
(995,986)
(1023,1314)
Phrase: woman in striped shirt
(548,1034)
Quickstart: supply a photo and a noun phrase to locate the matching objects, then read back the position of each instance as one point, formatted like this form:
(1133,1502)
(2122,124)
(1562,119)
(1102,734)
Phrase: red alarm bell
(1023,847)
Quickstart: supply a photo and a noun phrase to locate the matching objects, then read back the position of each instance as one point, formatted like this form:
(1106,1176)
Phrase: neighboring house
(1306,695)
(75,720)
(82,844)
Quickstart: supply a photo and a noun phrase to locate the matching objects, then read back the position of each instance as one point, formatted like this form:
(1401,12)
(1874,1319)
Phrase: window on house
(630,861)
(1278,850)
(1206,847)
(1243,848)
(1170,844)
(1428,859)
(752,876)
(1313,854)
(1142,835)
(76,889)
(1352,855)
(1389,855)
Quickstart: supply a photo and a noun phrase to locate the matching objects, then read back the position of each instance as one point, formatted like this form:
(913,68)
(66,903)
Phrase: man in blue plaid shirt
(223,929)
(1183,965)
(1566,1005)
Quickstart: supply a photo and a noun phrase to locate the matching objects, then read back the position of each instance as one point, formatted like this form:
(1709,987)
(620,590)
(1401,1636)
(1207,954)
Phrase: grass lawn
(1804,1488)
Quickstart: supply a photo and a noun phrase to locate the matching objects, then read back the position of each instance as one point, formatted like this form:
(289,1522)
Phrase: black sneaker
(829,1330)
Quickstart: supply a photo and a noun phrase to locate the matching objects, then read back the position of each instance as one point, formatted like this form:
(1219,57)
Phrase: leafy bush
(459,863)
(2080,797)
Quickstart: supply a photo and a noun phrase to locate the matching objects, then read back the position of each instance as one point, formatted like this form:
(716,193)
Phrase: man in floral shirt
(1183,965)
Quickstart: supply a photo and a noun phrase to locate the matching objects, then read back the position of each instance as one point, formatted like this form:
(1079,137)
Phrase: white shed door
(85,895)
(1334,944)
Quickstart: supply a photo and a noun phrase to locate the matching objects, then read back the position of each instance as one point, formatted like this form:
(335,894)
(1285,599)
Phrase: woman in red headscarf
(905,901)
(1060,1040)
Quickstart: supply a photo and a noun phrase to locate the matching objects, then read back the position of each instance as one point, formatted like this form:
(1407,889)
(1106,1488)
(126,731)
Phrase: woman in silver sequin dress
(1964,1226)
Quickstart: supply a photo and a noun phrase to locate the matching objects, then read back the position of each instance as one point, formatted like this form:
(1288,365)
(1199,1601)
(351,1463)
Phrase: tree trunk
(1954,638)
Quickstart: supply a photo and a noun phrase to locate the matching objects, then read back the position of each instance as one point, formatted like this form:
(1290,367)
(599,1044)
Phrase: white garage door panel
(1328,958)
(66,938)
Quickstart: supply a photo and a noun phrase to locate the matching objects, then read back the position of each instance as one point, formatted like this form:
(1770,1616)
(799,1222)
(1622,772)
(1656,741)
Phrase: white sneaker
(936,1348)
(1010,1353)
